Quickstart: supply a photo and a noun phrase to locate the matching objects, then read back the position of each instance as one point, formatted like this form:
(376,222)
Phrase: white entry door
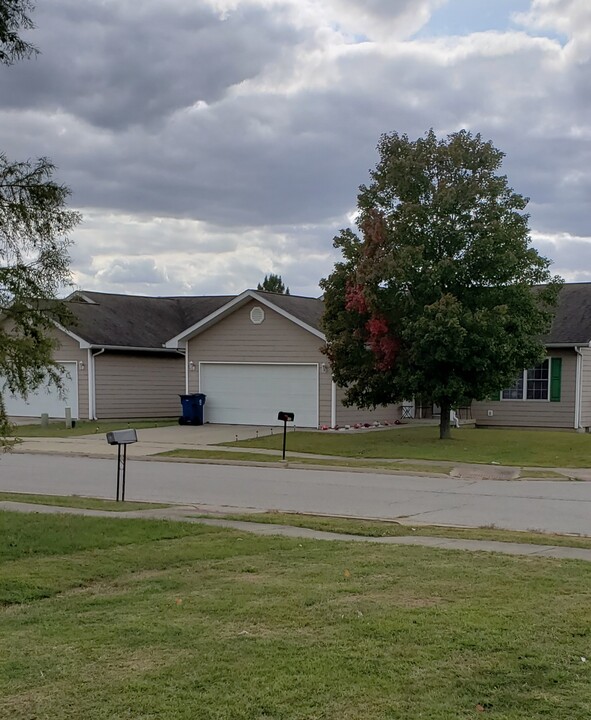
(253,394)
(46,399)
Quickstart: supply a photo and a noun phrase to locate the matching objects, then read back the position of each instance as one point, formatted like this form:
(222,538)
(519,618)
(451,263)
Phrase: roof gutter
(129,348)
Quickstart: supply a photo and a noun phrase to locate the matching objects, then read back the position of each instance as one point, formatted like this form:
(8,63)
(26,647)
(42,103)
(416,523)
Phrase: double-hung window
(541,382)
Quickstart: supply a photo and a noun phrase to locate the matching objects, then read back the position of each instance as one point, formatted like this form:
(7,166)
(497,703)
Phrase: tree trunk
(444,424)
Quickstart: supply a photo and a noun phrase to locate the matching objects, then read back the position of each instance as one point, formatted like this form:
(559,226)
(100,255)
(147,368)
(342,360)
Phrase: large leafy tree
(273,283)
(439,297)
(34,228)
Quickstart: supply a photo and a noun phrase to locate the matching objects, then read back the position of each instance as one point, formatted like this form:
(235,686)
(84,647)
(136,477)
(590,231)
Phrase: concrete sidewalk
(187,514)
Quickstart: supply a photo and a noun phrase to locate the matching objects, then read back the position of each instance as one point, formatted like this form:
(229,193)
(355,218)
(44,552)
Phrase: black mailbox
(285,417)
(122,437)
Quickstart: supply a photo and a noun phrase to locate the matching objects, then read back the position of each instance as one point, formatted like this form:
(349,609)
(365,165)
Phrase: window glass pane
(538,381)
(515,392)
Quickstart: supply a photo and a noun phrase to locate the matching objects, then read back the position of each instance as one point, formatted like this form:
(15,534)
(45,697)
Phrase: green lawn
(75,501)
(394,466)
(87,427)
(521,448)
(252,457)
(111,619)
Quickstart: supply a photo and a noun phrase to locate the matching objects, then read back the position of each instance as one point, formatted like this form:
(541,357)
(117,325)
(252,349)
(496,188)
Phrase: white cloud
(211,143)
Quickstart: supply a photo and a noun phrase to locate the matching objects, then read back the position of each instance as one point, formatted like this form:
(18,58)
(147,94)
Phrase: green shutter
(555,377)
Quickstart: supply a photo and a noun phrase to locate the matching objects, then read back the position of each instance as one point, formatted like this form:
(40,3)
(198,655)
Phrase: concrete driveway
(201,434)
(150,440)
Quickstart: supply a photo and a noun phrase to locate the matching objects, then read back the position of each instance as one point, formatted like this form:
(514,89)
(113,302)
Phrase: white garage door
(244,394)
(46,399)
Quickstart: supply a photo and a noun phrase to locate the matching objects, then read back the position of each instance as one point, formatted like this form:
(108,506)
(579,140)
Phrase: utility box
(122,437)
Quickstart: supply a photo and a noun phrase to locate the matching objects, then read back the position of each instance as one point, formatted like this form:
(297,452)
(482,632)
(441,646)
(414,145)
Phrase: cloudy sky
(209,142)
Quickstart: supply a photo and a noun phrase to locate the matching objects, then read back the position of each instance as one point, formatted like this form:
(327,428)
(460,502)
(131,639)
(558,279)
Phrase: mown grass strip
(291,460)
(75,501)
(378,528)
(520,448)
(87,427)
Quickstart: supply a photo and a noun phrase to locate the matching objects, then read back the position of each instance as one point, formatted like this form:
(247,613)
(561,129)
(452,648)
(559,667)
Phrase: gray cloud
(226,144)
(135,271)
(116,65)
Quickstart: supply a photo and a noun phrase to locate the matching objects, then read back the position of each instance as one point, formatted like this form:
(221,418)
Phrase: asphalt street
(552,506)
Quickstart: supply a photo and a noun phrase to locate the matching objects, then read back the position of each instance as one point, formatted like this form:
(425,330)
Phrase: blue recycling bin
(192,409)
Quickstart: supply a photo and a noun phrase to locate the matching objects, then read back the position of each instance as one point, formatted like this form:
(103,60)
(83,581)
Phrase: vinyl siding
(586,388)
(534,413)
(275,340)
(138,385)
(352,415)
(69,349)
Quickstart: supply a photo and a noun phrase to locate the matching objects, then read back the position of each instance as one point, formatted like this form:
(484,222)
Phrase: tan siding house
(138,385)
(352,415)
(259,353)
(262,353)
(69,351)
(535,413)
(276,341)
(585,390)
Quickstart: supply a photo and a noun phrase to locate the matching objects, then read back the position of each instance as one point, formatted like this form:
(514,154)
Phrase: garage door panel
(252,394)
(47,398)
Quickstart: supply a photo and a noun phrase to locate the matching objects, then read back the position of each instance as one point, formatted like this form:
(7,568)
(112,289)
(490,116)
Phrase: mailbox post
(121,438)
(286,417)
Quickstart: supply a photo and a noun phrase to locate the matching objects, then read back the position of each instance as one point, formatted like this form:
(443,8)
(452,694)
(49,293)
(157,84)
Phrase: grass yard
(88,427)
(393,465)
(252,457)
(521,448)
(75,501)
(113,619)
(381,528)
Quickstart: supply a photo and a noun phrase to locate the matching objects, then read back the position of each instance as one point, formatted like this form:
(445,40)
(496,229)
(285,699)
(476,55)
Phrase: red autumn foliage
(355,299)
(384,347)
(374,233)
(376,327)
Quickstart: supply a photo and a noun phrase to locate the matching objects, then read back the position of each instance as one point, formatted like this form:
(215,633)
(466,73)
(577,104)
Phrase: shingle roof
(149,322)
(308,310)
(572,322)
(137,321)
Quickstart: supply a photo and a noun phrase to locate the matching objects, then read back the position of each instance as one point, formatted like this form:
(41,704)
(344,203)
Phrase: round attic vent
(257,315)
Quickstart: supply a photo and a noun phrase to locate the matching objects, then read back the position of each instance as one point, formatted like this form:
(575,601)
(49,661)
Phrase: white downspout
(92,383)
(578,389)
(333,404)
(187,369)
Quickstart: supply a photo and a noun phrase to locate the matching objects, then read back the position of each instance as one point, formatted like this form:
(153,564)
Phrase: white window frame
(524,376)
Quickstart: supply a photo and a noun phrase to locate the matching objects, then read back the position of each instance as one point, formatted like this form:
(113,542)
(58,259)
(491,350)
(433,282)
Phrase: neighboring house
(260,353)
(115,365)
(556,393)
(257,353)
(252,355)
